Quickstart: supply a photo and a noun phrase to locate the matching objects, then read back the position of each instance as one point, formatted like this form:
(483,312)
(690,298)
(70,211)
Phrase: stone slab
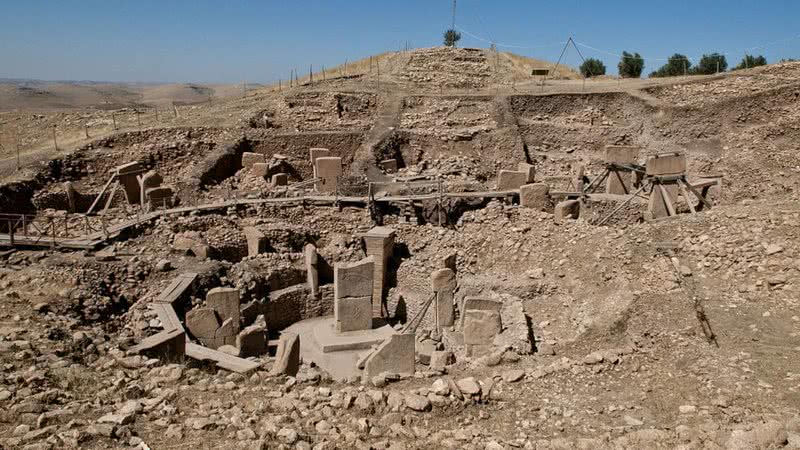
(395,356)
(568,209)
(331,341)
(280,179)
(329,170)
(315,153)
(225,301)
(160,197)
(252,341)
(354,279)
(257,242)
(508,180)
(202,323)
(353,313)
(622,154)
(672,164)
(260,170)
(535,196)
(481,326)
(287,356)
(249,159)
(529,169)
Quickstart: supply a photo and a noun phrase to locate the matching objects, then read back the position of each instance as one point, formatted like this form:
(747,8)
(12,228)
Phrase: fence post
(17,139)
(55,142)
(114,120)
(86,130)
(156,108)
(138,119)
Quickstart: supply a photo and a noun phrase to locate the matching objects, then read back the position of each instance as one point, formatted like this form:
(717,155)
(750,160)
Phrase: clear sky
(260,41)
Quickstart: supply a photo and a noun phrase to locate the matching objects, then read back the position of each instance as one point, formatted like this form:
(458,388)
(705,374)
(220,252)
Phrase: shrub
(676,65)
(592,67)
(710,64)
(630,65)
(451,37)
(751,61)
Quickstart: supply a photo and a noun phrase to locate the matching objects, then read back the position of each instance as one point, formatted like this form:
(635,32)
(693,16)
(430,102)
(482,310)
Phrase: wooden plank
(667,200)
(176,288)
(703,184)
(223,360)
(160,339)
(167,316)
(686,197)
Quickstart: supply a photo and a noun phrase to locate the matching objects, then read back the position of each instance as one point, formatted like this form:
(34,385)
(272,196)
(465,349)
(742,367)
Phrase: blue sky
(260,41)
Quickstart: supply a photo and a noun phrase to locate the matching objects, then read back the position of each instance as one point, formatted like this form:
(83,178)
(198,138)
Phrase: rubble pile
(437,67)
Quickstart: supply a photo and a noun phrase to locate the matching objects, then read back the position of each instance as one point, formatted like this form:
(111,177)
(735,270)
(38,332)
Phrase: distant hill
(23,94)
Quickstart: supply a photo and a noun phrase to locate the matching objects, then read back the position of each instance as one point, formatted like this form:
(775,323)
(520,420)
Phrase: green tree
(710,64)
(451,37)
(630,65)
(676,65)
(592,67)
(751,61)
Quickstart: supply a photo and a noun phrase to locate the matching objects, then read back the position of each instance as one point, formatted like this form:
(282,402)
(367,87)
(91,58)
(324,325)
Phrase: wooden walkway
(91,241)
(173,342)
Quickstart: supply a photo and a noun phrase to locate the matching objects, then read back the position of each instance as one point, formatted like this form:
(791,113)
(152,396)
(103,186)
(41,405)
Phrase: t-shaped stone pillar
(443,282)
(380,245)
(619,179)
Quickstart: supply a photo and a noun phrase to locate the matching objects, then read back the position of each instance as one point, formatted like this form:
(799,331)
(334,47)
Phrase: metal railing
(49,228)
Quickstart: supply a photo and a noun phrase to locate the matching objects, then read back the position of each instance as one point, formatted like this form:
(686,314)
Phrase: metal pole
(156,113)
(138,119)
(86,130)
(55,142)
(114,120)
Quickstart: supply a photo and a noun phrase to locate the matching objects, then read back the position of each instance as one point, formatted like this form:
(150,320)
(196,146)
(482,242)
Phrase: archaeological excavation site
(434,252)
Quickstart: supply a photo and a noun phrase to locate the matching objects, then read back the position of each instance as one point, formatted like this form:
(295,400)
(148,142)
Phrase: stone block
(257,242)
(260,170)
(352,313)
(673,164)
(440,359)
(354,279)
(225,301)
(508,180)
(287,356)
(535,196)
(568,209)
(389,165)
(252,341)
(249,159)
(280,179)
(481,326)
(622,154)
(329,170)
(202,323)
(394,356)
(529,169)
(160,197)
